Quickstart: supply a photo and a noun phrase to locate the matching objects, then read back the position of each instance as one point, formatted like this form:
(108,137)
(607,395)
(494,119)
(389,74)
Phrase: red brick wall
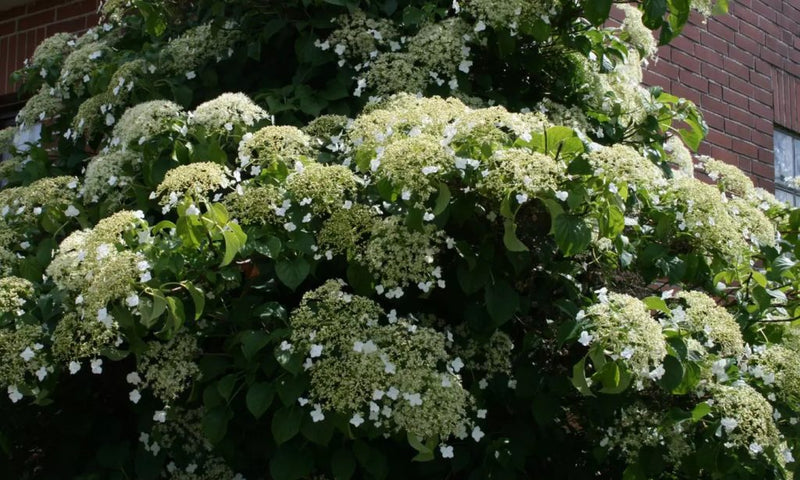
(23,28)
(743,71)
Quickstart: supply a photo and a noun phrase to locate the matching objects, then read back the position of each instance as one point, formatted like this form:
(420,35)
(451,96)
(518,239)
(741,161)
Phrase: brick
(708,56)
(762,124)
(740,115)
(746,43)
(44,5)
(719,139)
(76,9)
(764,10)
(92,19)
(738,130)
(74,25)
(714,120)
(764,97)
(759,109)
(760,80)
(691,80)
(746,58)
(764,170)
(745,148)
(715,90)
(720,31)
(685,61)
(685,92)
(742,86)
(712,104)
(733,97)
(713,42)
(4,78)
(8,27)
(36,20)
(762,139)
(724,154)
(714,74)
(737,69)
(664,68)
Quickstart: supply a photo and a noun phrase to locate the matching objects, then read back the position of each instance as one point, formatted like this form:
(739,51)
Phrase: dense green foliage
(385,239)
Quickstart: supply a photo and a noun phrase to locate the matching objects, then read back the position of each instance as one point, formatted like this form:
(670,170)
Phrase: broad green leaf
(292,272)
(318,432)
(510,239)
(290,463)
(226,385)
(442,199)
(286,423)
(152,309)
(177,313)
(198,298)
(235,239)
(657,303)
(654,11)
(579,378)
(425,452)
(700,410)
(259,398)
(290,389)
(572,234)
(472,280)
(673,373)
(502,301)
(373,460)
(343,464)
(253,341)
(215,424)
(596,11)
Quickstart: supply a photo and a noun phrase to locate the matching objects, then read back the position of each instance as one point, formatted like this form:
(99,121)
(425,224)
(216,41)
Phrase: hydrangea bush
(385,239)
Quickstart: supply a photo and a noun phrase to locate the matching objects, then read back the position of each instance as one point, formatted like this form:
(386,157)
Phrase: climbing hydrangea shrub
(450,239)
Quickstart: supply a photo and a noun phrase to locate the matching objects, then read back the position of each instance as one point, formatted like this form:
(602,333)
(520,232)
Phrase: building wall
(22,28)
(743,71)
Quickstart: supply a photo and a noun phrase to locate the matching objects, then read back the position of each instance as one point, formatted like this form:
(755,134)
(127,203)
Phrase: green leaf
(373,460)
(290,463)
(596,11)
(615,380)
(215,424)
(271,248)
(472,280)
(292,272)
(654,11)
(235,239)
(226,385)
(673,373)
(318,432)
(510,239)
(425,452)
(657,303)
(286,423)
(290,389)
(502,301)
(198,298)
(343,464)
(579,378)
(152,309)
(700,410)
(442,200)
(253,341)
(571,233)
(259,398)
(177,314)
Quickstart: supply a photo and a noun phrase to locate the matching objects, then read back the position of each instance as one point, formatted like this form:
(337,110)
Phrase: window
(787,167)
